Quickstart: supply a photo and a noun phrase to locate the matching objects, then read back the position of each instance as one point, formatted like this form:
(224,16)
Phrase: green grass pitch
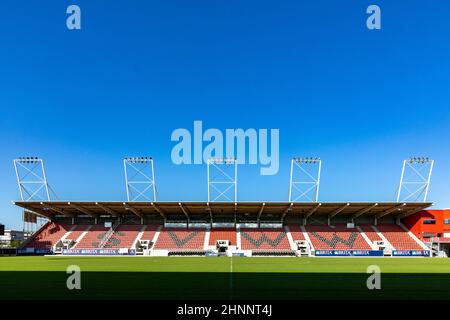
(223,278)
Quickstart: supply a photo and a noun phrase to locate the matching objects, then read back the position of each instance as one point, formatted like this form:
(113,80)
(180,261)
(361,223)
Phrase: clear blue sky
(361,100)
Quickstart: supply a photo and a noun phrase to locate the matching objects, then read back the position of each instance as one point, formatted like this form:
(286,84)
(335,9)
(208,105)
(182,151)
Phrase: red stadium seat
(48,236)
(399,238)
(92,239)
(177,238)
(266,239)
(123,236)
(339,237)
(222,234)
(296,232)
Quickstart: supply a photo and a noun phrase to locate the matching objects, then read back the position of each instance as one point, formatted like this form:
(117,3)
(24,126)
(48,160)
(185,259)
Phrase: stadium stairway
(417,240)
(77,232)
(64,237)
(47,236)
(363,234)
(92,238)
(397,237)
(290,239)
(307,238)
(229,234)
(123,236)
(206,240)
(139,236)
(238,239)
(294,233)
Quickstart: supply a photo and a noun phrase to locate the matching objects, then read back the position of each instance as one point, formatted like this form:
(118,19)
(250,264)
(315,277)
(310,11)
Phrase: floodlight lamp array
(227,160)
(419,160)
(305,160)
(138,159)
(28,159)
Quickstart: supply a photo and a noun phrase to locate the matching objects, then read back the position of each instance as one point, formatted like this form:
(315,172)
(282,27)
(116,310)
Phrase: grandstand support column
(304,182)
(208,208)
(336,212)
(260,213)
(391,210)
(286,211)
(363,211)
(415,179)
(107,209)
(184,210)
(82,209)
(375,220)
(157,209)
(132,209)
(310,213)
(410,212)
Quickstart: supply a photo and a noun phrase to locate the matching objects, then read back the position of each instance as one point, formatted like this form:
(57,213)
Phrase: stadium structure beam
(365,210)
(185,212)
(260,212)
(132,209)
(285,211)
(83,210)
(55,209)
(107,209)
(385,213)
(338,210)
(38,211)
(410,212)
(158,209)
(208,208)
(311,212)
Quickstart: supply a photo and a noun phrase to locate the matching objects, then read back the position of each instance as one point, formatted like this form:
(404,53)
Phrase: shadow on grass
(212,286)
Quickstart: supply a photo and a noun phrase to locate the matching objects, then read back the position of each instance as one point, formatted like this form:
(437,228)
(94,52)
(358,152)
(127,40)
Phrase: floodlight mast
(300,188)
(219,187)
(420,180)
(139,178)
(31,179)
(33,186)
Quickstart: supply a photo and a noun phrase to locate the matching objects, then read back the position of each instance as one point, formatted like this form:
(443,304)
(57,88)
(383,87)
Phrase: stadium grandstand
(236,228)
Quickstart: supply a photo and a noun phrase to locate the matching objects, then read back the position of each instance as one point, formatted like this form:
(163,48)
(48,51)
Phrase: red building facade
(430,224)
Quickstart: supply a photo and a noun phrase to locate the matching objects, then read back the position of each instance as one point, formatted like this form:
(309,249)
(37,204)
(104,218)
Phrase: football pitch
(212,278)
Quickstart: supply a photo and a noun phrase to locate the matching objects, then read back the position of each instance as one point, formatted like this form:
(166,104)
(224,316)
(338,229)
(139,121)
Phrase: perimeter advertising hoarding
(348,253)
(99,252)
(411,253)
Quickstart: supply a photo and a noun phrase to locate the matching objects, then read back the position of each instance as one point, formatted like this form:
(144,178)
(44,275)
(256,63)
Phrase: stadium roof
(260,209)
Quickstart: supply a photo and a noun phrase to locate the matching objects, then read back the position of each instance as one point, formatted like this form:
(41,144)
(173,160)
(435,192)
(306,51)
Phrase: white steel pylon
(415,179)
(222,179)
(31,179)
(140,178)
(304,181)
(33,186)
